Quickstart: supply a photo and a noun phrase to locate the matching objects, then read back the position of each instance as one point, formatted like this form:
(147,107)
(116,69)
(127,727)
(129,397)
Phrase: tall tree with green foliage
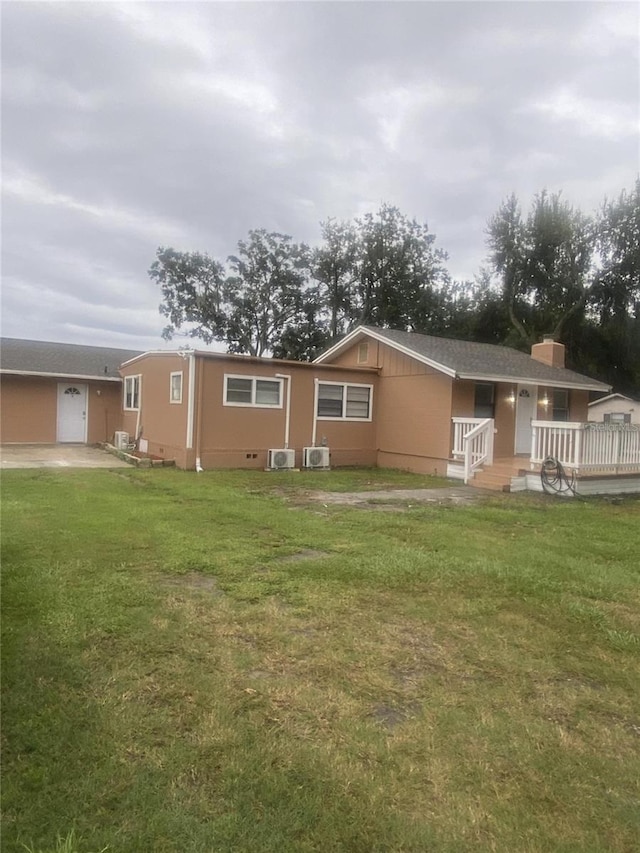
(267,291)
(615,298)
(264,291)
(382,269)
(543,262)
(192,286)
(334,269)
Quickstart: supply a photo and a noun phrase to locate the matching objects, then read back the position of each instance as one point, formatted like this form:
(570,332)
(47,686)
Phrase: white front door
(526,404)
(72,412)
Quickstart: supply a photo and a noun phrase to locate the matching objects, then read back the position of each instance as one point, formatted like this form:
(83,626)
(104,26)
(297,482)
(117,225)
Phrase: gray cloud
(130,126)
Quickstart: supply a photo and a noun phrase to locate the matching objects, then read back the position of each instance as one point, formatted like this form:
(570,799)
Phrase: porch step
(493,481)
(498,476)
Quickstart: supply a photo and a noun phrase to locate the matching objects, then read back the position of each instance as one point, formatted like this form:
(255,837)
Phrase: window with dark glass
(484,400)
(618,418)
(560,404)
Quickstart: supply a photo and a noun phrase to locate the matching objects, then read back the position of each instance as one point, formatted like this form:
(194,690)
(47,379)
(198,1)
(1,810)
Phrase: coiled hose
(555,480)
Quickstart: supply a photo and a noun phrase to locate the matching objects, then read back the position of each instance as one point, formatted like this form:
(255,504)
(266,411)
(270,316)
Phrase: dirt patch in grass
(194,580)
(391,716)
(398,499)
(307,554)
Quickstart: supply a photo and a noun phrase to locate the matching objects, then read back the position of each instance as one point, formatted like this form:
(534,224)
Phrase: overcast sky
(130,126)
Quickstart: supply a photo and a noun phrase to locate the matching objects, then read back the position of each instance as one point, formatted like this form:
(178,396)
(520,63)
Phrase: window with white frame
(252,391)
(338,401)
(175,387)
(131,392)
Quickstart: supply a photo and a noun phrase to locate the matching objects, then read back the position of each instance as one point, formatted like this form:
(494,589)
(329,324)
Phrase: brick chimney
(549,352)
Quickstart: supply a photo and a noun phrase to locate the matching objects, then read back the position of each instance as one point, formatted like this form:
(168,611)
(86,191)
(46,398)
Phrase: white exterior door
(526,405)
(72,412)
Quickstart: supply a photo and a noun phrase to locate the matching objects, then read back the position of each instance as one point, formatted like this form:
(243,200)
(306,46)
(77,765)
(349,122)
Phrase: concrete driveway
(57,456)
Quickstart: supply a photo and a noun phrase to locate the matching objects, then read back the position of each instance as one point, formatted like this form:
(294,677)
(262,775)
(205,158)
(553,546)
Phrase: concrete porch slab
(56,456)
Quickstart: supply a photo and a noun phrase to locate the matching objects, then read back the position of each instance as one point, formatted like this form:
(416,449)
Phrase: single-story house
(55,392)
(615,408)
(214,410)
(478,412)
(377,397)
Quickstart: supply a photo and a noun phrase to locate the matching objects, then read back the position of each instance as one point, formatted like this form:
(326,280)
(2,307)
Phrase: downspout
(287,417)
(199,409)
(137,436)
(316,383)
(190,400)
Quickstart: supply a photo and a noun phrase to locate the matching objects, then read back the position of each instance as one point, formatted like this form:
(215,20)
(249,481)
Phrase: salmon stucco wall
(161,423)
(29,412)
(104,411)
(231,436)
(579,406)
(412,411)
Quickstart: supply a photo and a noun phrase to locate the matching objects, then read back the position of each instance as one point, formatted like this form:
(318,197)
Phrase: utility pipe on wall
(287,416)
(316,382)
(191,397)
(198,419)
(137,435)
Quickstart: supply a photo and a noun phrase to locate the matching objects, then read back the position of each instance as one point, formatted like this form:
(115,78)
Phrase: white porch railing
(462,426)
(473,443)
(587,447)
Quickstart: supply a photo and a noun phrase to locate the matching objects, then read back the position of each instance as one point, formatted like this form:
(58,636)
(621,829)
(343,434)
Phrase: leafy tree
(266,292)
(334,268)
(382,270)
(615,298)
(575,277)
(544,264)
(192,287)
(475,311)
(616,292)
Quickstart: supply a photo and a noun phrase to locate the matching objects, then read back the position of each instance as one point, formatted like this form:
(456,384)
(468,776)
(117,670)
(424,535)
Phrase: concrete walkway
(57,456)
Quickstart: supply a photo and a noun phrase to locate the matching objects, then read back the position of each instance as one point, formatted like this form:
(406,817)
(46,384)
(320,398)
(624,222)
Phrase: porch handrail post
(618,443)
(534,444)
(484,432)
(490,439)
(577,451)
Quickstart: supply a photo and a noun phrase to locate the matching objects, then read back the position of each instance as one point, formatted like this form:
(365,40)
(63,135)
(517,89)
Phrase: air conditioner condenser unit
(316,457)
(121,440)
(281,459)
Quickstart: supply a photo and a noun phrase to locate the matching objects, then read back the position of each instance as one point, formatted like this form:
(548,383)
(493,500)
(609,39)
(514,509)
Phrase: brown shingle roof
(469,360)
(52,359)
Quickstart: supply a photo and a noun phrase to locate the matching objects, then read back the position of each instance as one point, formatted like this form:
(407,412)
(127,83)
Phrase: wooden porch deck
(501,474)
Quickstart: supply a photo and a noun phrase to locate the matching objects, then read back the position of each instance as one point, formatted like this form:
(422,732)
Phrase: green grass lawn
(214,663)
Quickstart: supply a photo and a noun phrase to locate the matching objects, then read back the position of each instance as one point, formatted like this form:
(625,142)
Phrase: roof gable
(470,360)
(611,397)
